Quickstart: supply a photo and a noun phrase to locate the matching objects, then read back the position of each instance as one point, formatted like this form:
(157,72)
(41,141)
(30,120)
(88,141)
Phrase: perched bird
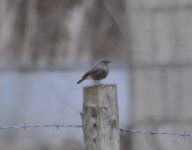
(98,72)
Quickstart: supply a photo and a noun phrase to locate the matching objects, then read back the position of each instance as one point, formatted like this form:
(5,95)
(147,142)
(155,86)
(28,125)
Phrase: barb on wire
(58,126)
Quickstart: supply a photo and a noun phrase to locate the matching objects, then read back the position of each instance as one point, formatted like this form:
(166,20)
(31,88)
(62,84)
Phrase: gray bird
(99,71)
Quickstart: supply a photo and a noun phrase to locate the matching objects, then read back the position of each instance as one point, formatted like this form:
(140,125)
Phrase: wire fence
(25,126)
(122,130)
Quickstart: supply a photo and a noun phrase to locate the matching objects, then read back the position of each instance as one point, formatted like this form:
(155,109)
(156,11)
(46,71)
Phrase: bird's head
(105,61)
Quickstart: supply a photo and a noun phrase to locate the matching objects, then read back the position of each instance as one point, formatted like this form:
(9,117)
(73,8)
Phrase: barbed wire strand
(123,130)
(154,132)
(25,126)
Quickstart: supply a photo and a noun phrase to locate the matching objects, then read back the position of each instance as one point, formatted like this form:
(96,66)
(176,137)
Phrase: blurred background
(46,46)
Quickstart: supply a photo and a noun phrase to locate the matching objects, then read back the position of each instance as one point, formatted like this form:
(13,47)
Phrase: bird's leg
(99,83)
(96,81)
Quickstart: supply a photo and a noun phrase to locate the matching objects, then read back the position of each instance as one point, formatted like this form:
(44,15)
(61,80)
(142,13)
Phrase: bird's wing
(91,72)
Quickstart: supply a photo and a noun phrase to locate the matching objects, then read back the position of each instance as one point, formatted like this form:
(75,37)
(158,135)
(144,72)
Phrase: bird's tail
(80,80)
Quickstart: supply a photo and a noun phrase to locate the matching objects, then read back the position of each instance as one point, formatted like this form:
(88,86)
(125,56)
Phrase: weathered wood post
(100,118)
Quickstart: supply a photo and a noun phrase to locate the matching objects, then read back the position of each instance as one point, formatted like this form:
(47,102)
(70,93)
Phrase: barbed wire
(122,130)
(25,126)
(154,132)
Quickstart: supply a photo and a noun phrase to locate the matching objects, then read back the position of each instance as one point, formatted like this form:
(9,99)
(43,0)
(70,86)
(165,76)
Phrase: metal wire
(122,130)
(25,126)
(154,132)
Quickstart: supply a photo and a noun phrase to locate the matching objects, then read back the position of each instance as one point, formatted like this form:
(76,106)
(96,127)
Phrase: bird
(98,72)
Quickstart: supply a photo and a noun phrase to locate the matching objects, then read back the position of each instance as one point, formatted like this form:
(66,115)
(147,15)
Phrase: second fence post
(100,118)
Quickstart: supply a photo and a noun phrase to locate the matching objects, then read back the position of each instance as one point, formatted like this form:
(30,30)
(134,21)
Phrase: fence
(100,121)
(25,126)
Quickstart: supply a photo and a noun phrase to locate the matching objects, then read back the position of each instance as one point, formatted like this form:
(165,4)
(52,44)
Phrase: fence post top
(100,86)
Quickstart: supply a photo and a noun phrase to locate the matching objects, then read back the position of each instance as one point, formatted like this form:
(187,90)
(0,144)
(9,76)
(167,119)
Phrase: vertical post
(100,118)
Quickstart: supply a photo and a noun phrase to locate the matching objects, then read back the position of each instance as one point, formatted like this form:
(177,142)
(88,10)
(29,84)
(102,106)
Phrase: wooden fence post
(100,118)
